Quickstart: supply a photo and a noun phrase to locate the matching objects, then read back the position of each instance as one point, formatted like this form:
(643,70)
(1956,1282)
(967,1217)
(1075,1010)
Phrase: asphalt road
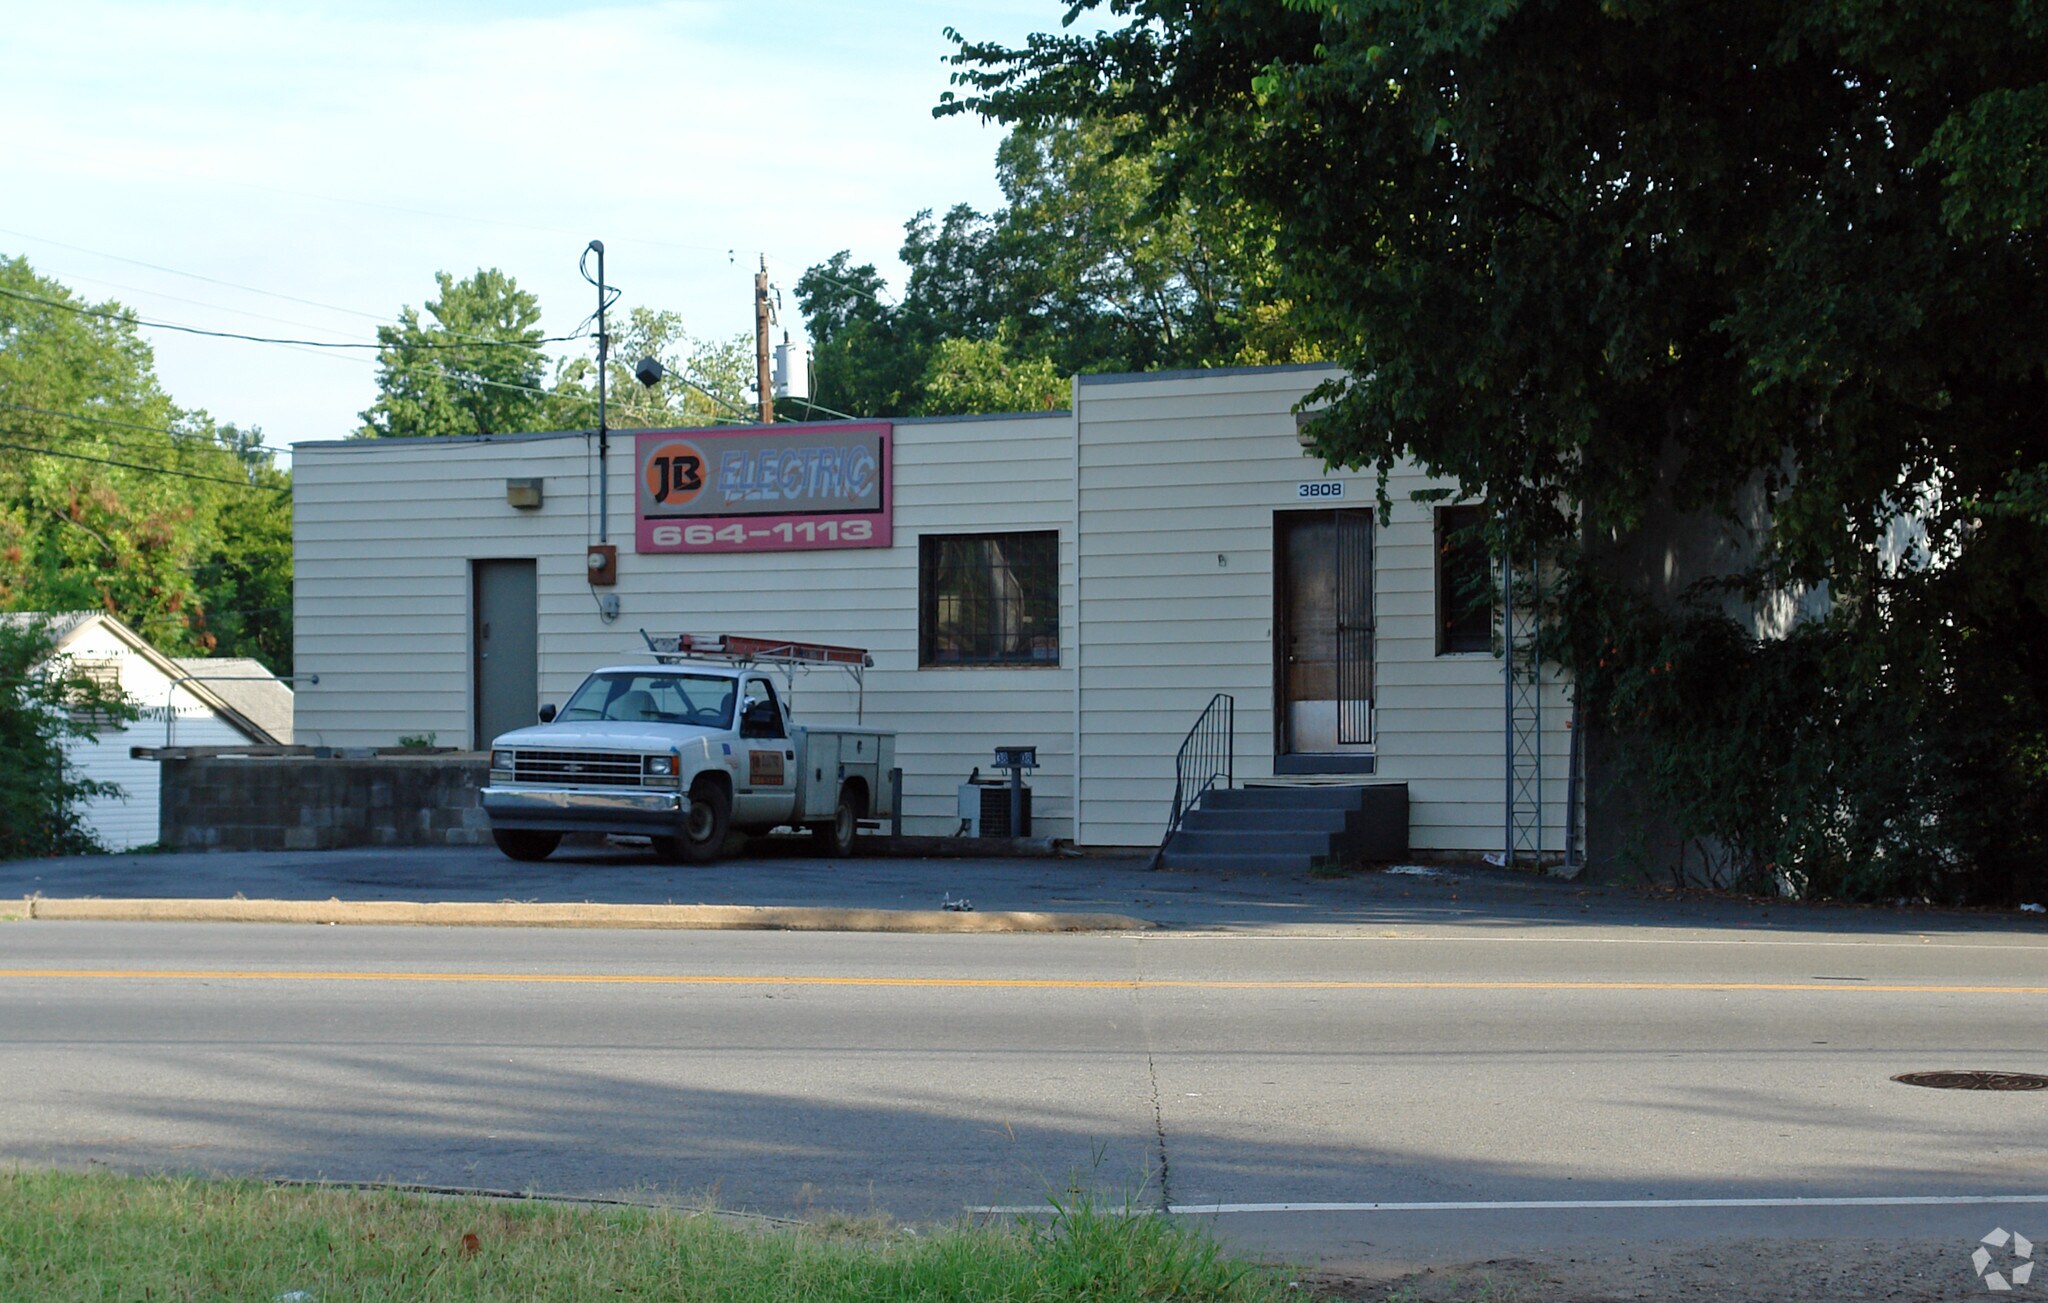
(1274,1080)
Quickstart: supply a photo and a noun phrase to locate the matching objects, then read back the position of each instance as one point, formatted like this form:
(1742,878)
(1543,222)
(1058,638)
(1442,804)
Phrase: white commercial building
(1082,581)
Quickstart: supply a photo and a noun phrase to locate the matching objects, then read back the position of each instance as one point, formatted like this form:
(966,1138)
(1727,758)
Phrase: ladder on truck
(787,655)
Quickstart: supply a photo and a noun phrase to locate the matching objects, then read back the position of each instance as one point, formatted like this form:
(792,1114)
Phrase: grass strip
(87,1237)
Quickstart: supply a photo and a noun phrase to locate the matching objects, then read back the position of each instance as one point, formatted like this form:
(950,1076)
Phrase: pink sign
(766,488)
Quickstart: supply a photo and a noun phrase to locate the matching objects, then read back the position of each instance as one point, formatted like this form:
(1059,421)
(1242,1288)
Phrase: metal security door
(1324,630)
(505,642)
(1354,627)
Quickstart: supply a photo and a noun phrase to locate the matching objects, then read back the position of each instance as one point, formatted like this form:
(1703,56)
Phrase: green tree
(112,496)
(244,574)
(1085,268)
(983,375)
(43,704)
(867,359)
(1775,263)
(706,380)
(476,368)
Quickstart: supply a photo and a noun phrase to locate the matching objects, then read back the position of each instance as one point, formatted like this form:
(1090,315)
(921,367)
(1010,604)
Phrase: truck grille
(576,768)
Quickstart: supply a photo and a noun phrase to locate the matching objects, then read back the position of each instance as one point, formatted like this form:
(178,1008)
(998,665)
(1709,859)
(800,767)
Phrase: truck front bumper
(625,811)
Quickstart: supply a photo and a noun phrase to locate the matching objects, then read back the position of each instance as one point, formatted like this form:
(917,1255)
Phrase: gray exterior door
(505,648)
(1324,631)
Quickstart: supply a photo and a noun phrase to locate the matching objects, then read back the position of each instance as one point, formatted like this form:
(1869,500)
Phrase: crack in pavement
(1159,1135)
(1165,1200)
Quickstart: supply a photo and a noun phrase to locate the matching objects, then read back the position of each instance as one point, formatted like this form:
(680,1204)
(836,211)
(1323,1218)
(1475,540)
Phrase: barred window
(988,599)
(96,684)
(1464,581)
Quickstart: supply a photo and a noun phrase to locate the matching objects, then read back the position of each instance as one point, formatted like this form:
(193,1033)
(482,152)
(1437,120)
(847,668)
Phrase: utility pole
(762,315)
(603,431)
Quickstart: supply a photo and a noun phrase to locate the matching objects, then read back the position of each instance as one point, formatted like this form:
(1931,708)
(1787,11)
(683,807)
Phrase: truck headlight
(661,766)
(501,760)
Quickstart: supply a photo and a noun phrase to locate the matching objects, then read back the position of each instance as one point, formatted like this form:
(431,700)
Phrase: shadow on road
(595,1121)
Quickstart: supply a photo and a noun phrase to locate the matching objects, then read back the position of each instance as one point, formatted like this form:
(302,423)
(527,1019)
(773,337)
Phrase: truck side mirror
(547,713)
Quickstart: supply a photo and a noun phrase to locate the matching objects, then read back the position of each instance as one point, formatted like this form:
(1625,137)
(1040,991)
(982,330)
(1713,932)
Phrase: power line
(631,407)
(193,275)
(862,290)
(211,441)
(815,407)
(134,466)
(332,307)
(233,285)
(73,278)
(133,320)
(179,448)
(411,344)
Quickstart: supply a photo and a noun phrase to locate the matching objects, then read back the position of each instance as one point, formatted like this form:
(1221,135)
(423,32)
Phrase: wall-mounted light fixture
(524,494)
(1302,434)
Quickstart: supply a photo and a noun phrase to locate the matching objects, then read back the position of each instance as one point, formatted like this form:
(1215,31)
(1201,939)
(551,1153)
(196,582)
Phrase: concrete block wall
(303,803)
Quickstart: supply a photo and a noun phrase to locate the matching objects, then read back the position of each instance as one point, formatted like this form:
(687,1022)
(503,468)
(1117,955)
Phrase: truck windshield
(647,696)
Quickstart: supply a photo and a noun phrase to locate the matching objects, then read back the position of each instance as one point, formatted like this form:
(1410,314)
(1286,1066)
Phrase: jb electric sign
(770,488)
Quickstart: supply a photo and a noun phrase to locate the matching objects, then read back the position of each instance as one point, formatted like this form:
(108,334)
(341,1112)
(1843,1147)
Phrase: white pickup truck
(682,752)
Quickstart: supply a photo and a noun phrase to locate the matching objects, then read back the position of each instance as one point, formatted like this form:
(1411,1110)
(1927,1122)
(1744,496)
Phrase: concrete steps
(1289,828)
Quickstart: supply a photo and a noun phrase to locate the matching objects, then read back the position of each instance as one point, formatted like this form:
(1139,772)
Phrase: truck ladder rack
(782,653)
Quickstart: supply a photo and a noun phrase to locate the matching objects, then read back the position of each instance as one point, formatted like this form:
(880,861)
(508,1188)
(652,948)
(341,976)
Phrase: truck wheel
(837,837)
(710,818)
(524,844)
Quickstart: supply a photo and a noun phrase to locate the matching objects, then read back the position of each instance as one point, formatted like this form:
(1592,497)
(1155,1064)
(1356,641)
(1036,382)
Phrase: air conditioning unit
(985,810)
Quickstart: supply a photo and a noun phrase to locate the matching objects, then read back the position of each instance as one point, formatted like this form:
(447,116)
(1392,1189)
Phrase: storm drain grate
(1974,1080)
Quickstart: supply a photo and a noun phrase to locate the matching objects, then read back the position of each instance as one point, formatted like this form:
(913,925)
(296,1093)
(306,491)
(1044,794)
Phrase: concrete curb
(455,913)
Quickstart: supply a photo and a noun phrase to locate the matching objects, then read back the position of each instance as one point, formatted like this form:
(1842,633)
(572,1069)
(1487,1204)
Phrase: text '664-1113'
(777,488)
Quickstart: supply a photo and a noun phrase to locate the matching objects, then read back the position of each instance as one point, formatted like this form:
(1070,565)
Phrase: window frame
(104,674)
(1459,632)
(1034,571)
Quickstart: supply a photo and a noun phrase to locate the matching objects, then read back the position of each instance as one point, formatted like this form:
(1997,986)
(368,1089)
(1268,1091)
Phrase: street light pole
(604,514)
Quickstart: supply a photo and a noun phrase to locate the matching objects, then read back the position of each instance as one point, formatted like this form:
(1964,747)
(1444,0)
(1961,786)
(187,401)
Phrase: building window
(1464,581)
(96,692)
(988,599)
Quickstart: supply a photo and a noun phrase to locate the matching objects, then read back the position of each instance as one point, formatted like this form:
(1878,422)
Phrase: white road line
(1920,943)
(1570,1205)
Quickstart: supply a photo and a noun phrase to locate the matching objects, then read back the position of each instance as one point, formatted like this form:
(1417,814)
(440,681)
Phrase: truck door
(767,778)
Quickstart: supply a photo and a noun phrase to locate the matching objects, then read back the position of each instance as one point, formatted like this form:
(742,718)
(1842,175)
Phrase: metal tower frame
(1522,688)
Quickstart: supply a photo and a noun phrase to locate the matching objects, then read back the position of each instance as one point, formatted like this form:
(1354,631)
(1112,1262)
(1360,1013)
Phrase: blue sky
(340,154)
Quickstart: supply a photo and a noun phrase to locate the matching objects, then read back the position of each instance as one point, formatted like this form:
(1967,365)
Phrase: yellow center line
(983,983)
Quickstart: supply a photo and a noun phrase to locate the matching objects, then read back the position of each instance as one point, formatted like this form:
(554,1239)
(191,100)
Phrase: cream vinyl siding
(368,572)
(1174,471)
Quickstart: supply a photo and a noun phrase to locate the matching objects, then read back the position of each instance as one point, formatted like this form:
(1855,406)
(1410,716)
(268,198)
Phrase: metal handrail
(1208,753)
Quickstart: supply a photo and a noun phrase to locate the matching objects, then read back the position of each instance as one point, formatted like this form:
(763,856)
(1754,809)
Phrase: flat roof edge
(1204,373)
(1057,413)
(1108,378)
(411,441)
